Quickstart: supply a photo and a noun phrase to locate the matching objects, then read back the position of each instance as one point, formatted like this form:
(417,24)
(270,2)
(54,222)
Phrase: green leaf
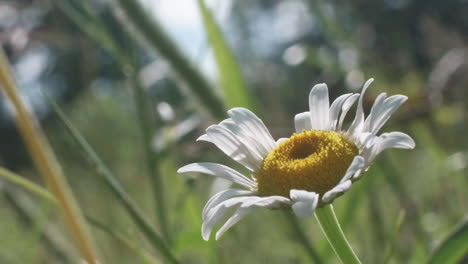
(454,247)
(232,82)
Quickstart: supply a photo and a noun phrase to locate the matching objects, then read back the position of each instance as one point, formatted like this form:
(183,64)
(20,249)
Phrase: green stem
(151,159)
(332,230)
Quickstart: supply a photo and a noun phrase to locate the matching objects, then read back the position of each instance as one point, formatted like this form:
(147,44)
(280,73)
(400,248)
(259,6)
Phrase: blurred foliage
(414,47)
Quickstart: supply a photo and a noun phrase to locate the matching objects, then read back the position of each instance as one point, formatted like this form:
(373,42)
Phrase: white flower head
(311,168)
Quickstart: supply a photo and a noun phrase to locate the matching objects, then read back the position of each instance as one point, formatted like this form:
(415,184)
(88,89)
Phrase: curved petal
(221,197)
(218,170)
(302,122)
(227,142)
(248,207)
(345,109)
(358,122)
(281,140)
(394,140)
(335,110)
(204,137)
(236,217)
(374,111)
(319,107)
(357,164)
(255,146)
(252,125)
(385,111)
(385,141)
(338,189)
(304,202)
(217,212)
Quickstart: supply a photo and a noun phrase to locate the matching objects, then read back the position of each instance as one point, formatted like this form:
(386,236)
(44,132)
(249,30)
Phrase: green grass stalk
(117,189)
(145,121)
(47,165)
(138,19)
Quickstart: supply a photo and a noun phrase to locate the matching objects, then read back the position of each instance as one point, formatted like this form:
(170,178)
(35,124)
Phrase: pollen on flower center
(311,160)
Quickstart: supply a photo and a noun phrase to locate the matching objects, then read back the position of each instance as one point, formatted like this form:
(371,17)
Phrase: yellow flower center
(311,160)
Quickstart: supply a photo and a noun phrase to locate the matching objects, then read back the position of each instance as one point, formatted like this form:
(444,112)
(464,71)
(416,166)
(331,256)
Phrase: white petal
(358,122)
(319,107)
(339,189)
(395,140)
(335,110)
(217,212)
(302,122)
(236,217)
(374,111)
(386,109)
(345,109)
(255,146)
(385,141)
(281,140)
(304,202)
(218,170)
(227,142)
(270,201)
(221,197)
(204,137)
(251,124)
(249,206)
(357,164)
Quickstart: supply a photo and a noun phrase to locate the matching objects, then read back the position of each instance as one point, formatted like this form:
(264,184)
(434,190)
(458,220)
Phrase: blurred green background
(142,88)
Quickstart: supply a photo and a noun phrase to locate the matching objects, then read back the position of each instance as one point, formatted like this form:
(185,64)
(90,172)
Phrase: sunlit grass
(408,208)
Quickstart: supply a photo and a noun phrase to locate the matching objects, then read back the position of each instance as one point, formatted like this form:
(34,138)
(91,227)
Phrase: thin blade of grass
(91,25)
(454,247)
(26,211)
(145,120)
(144,256)
(302,238)
(117,189)
(47,165)
(138,22)
(393,240)
(47,196)
(232,82)
(27,185)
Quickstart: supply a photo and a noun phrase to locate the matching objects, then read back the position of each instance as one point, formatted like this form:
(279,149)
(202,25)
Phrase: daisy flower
(308,170)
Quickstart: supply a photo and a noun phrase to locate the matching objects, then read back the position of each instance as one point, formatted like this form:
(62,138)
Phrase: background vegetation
(142,80)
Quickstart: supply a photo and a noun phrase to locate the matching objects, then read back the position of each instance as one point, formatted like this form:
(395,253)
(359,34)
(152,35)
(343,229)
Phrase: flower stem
(335,236)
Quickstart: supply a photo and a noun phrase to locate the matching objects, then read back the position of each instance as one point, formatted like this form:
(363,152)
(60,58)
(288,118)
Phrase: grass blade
(145,121)
(47,196)
(302,238)
(115,186)
(47,165)
(393,240)
(27,184)
(137,19)
(232,82)
(144,256)
(454,247)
